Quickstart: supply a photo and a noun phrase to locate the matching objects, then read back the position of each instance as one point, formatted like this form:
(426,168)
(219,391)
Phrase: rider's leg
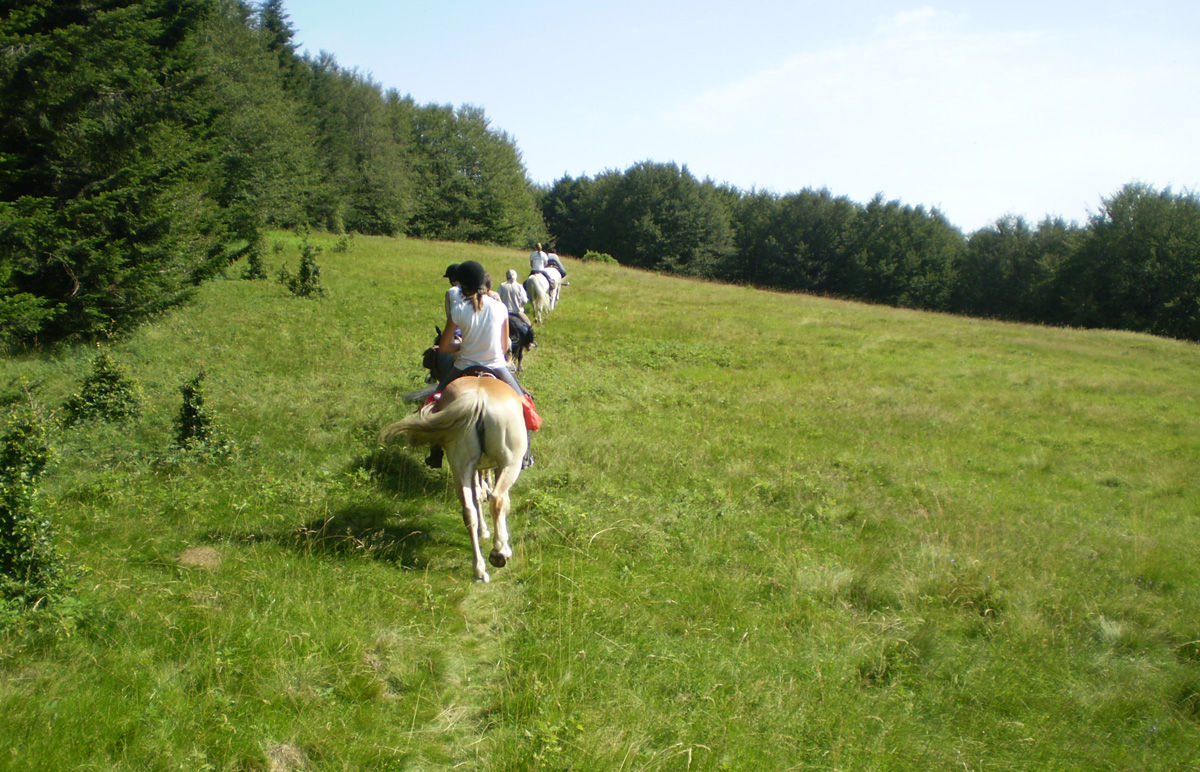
(445,363)
(447,376)
(434,459)
(504,374)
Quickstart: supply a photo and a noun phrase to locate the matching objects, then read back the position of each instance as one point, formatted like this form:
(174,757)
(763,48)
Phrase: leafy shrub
(21,316)
(196,429)
(598,257)
(255,267)
(107,394)
(31,569)
(345,244)
(307,283)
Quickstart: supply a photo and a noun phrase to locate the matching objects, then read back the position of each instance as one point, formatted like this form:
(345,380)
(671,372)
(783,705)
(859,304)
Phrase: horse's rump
(433,426)
(538,287)
(484,411)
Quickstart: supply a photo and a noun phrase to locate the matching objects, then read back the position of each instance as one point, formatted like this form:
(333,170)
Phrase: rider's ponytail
(474,282)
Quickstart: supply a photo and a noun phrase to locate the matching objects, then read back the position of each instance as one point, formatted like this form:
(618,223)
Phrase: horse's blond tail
(426,427)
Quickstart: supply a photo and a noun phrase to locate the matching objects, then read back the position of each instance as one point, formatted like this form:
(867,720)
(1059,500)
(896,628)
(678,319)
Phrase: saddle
(478,371)
(546,275)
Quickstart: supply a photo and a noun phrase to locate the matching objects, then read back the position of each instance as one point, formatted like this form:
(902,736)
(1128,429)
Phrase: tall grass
(764,531)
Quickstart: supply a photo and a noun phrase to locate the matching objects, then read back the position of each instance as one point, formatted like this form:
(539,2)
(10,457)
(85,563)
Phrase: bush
(345,244)
(31,568)
(307,283)
(107,394)
(196,429)
(255,267)
(598,257)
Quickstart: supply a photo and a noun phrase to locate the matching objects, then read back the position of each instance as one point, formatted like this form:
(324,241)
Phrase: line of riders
(478,335)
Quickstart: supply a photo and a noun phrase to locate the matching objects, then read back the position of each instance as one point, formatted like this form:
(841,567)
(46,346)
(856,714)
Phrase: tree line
(145,145)
(1135,264)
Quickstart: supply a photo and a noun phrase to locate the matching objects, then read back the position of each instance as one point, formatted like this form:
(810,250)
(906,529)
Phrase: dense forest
(146,146)
(1135,265)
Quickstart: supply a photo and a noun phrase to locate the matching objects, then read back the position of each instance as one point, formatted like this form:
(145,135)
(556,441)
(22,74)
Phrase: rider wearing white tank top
(483,336)
(537,260)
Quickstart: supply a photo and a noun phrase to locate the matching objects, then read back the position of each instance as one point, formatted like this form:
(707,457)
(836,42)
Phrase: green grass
(764,531)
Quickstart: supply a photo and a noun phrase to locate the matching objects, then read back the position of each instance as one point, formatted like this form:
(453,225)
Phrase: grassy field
(764,532)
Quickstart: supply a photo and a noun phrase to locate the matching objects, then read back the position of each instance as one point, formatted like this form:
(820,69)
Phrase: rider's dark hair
(474,281)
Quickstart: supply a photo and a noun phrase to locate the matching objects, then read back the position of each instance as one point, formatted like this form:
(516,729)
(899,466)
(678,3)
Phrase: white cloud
(933,112)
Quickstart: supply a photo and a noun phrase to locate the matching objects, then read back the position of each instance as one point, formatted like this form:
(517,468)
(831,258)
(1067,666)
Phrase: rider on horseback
(553,261)
(538,260)
(483,320)
(514,296)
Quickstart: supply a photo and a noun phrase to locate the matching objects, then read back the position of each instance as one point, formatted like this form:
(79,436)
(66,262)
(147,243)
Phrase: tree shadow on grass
(401,470)
(367,530)
(400,531)
(396,530)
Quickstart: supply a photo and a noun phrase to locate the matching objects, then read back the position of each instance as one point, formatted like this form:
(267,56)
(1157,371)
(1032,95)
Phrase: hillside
(764,531)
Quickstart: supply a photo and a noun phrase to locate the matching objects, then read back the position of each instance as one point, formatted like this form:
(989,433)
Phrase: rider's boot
(528,460)
(434,459)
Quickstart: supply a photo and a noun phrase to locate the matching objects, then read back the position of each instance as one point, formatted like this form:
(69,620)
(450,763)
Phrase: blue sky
(980,109)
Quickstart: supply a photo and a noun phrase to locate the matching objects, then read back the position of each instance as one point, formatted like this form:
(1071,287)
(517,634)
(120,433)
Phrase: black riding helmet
(451,272)
(471,277)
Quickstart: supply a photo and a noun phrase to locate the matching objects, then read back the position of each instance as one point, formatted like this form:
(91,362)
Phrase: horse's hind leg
(500,501)
(471,518)
(483,487)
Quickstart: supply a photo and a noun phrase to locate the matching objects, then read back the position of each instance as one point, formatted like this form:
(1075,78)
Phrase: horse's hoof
(483,579)
(498,560)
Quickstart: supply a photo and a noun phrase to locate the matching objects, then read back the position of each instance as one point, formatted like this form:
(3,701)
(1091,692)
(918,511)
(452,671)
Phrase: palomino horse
(480,423)
(543,294)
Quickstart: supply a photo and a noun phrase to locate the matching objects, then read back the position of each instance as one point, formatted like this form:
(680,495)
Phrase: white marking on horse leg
(481,493)
(501,549)
(500,503)
(466,495)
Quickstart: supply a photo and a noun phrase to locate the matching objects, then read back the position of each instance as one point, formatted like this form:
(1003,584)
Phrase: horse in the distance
(520,340)
(480,422)
(543,292)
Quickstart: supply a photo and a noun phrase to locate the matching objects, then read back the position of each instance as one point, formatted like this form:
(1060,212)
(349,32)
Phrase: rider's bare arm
(447,343)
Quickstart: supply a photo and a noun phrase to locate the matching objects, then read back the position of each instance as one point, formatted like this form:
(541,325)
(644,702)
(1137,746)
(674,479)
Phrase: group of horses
(480,422)
(543,292)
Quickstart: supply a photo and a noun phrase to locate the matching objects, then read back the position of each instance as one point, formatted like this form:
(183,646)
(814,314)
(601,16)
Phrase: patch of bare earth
(200,557)
(286,758)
